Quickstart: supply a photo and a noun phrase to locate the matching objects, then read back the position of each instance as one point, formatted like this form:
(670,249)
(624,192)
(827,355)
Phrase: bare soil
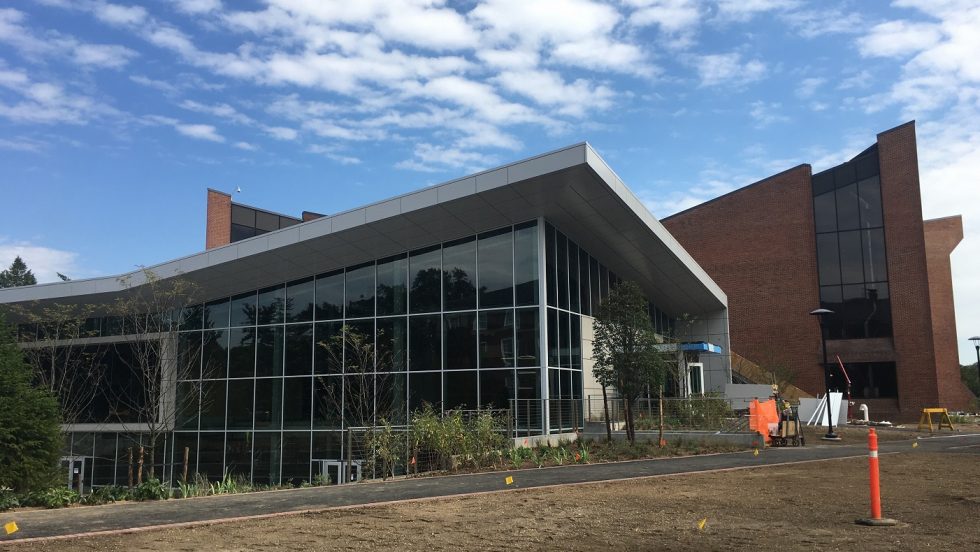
(798,507)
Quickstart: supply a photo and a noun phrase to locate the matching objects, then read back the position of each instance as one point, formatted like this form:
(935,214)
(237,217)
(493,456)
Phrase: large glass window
(425,273)
(460,389)
(392,285)
(272,304)
(526,264)
(424,388)
(460,343)
(527,337)
(243,310)
(359,347)
(266,459)
(238,454)
(495,253)
(550,256)
(268,403)
(497,338)
(327,348)
(496,388)
(295,457)
(240,393)
(330,296)
(299,300)
(297,403)
(561,248)
(210,460)
(392,343)
(360,291)
(328,402)
(299,350)
(459,274)
(269,352)
(215,361)
(213,404)
(851,257)
(216,314)
(241,353)
(425,342)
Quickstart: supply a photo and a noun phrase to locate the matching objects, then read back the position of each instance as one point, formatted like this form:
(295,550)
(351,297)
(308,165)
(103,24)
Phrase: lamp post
(976,343)
(822,314)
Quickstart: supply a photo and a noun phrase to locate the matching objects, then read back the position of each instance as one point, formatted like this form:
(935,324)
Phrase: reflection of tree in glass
(425,290)
(459,287)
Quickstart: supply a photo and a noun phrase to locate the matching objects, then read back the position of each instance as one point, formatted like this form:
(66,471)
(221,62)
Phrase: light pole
(976,343)
(822,314)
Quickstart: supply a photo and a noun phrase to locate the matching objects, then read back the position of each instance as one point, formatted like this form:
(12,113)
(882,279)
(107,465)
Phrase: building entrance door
(335,470)
(75,468)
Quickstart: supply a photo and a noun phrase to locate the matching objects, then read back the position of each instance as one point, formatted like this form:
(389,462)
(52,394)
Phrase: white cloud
(110,56)
(766,114)
(47,102)
(44,262)
(333,153)
(23,144)
(246,146)
(197,7)
(116,14)
(809,86)
(282,133)
(717,69)
(162,86)
(200,132)
(431,158)
(744,10)
(549,89)
(899,38)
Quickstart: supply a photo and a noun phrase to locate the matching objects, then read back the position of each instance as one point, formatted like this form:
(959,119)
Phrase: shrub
(152,489)
(55,497)
(387,447)
(106,495)
(8,499)
(321,480)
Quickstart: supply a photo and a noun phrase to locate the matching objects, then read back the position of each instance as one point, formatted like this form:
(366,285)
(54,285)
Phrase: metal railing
(696,413)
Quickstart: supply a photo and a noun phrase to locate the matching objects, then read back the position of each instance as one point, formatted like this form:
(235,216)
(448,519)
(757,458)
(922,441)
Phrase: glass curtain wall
(455,325)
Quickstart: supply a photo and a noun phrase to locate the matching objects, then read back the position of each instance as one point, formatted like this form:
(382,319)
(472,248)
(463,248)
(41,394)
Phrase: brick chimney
(218,219)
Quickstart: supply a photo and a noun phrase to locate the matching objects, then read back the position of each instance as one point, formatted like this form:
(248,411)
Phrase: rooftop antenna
(238,190)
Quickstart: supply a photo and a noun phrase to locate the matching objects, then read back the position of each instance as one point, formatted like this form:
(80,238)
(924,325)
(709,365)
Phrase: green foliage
(321,480)
(387,448)
(455,442)
(106,495)
(152,489)
(8,499)
(230,484)
(30,434)
(17,275)
(969,376)
(54,497)
(625,347)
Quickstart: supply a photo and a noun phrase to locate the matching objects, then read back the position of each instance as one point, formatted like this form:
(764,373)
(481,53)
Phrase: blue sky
(115,117)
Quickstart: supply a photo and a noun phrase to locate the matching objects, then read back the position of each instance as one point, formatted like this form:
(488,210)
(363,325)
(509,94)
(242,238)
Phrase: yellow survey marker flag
(915,445)
(755,452)
(509,480)
(11,527)
(702,523)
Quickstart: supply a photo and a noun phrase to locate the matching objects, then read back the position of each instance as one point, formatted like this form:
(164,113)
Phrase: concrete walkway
(128,516)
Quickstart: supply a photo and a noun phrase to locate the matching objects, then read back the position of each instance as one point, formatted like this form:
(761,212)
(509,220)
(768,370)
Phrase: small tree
(17,275)
(68,367)
(364,398)
(152,311)
(624,348)
(30,433)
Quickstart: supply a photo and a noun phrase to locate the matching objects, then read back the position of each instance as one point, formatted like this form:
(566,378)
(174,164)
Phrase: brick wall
(941,237)
(758,244)
(218,219)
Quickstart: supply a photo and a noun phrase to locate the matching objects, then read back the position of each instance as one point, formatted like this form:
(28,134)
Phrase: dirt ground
(801,507)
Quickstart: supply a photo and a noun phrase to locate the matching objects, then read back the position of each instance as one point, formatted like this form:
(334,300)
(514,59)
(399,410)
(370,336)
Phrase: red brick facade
(758,244)
(218,220)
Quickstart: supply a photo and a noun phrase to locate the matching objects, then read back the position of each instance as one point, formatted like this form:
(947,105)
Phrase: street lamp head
(822,312)
(976,340)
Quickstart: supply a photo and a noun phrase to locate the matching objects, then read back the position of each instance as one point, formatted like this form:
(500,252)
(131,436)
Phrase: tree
(364,398)
(63,277)
(70,368)
(30,434)
(17,275)
(152,309)
(625,348)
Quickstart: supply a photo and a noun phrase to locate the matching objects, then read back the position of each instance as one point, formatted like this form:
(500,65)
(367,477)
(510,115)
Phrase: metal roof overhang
(572,188)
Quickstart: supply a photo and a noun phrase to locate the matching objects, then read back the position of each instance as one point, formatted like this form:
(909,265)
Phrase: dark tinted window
(242,215)
(496,270)
(425,346)
(851,262)
(266,221)
(825,212)
(460,344)
(870,203)
(268,403)
(216,314)
(527,337)
(573,283)
(583,277)
(269,351)
(215,358)
(497,339)
(425,275)
(848,217)
(392,340)
(459,274)
(295,457)
(561,249)
(297,400)
(240,404)
(241,353)
(299,301)
(459,389)
(213,404)
(243,310)
(330,296)
(272,303)
(359,347)
(238,455)
(553,350)
(360,291)
(327,348)
(828,260)
(299,350)
(392,285)
(496,388)
(240,232)
(526,264)
(424,388)
(552,268)
(328,394)
(266,457)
